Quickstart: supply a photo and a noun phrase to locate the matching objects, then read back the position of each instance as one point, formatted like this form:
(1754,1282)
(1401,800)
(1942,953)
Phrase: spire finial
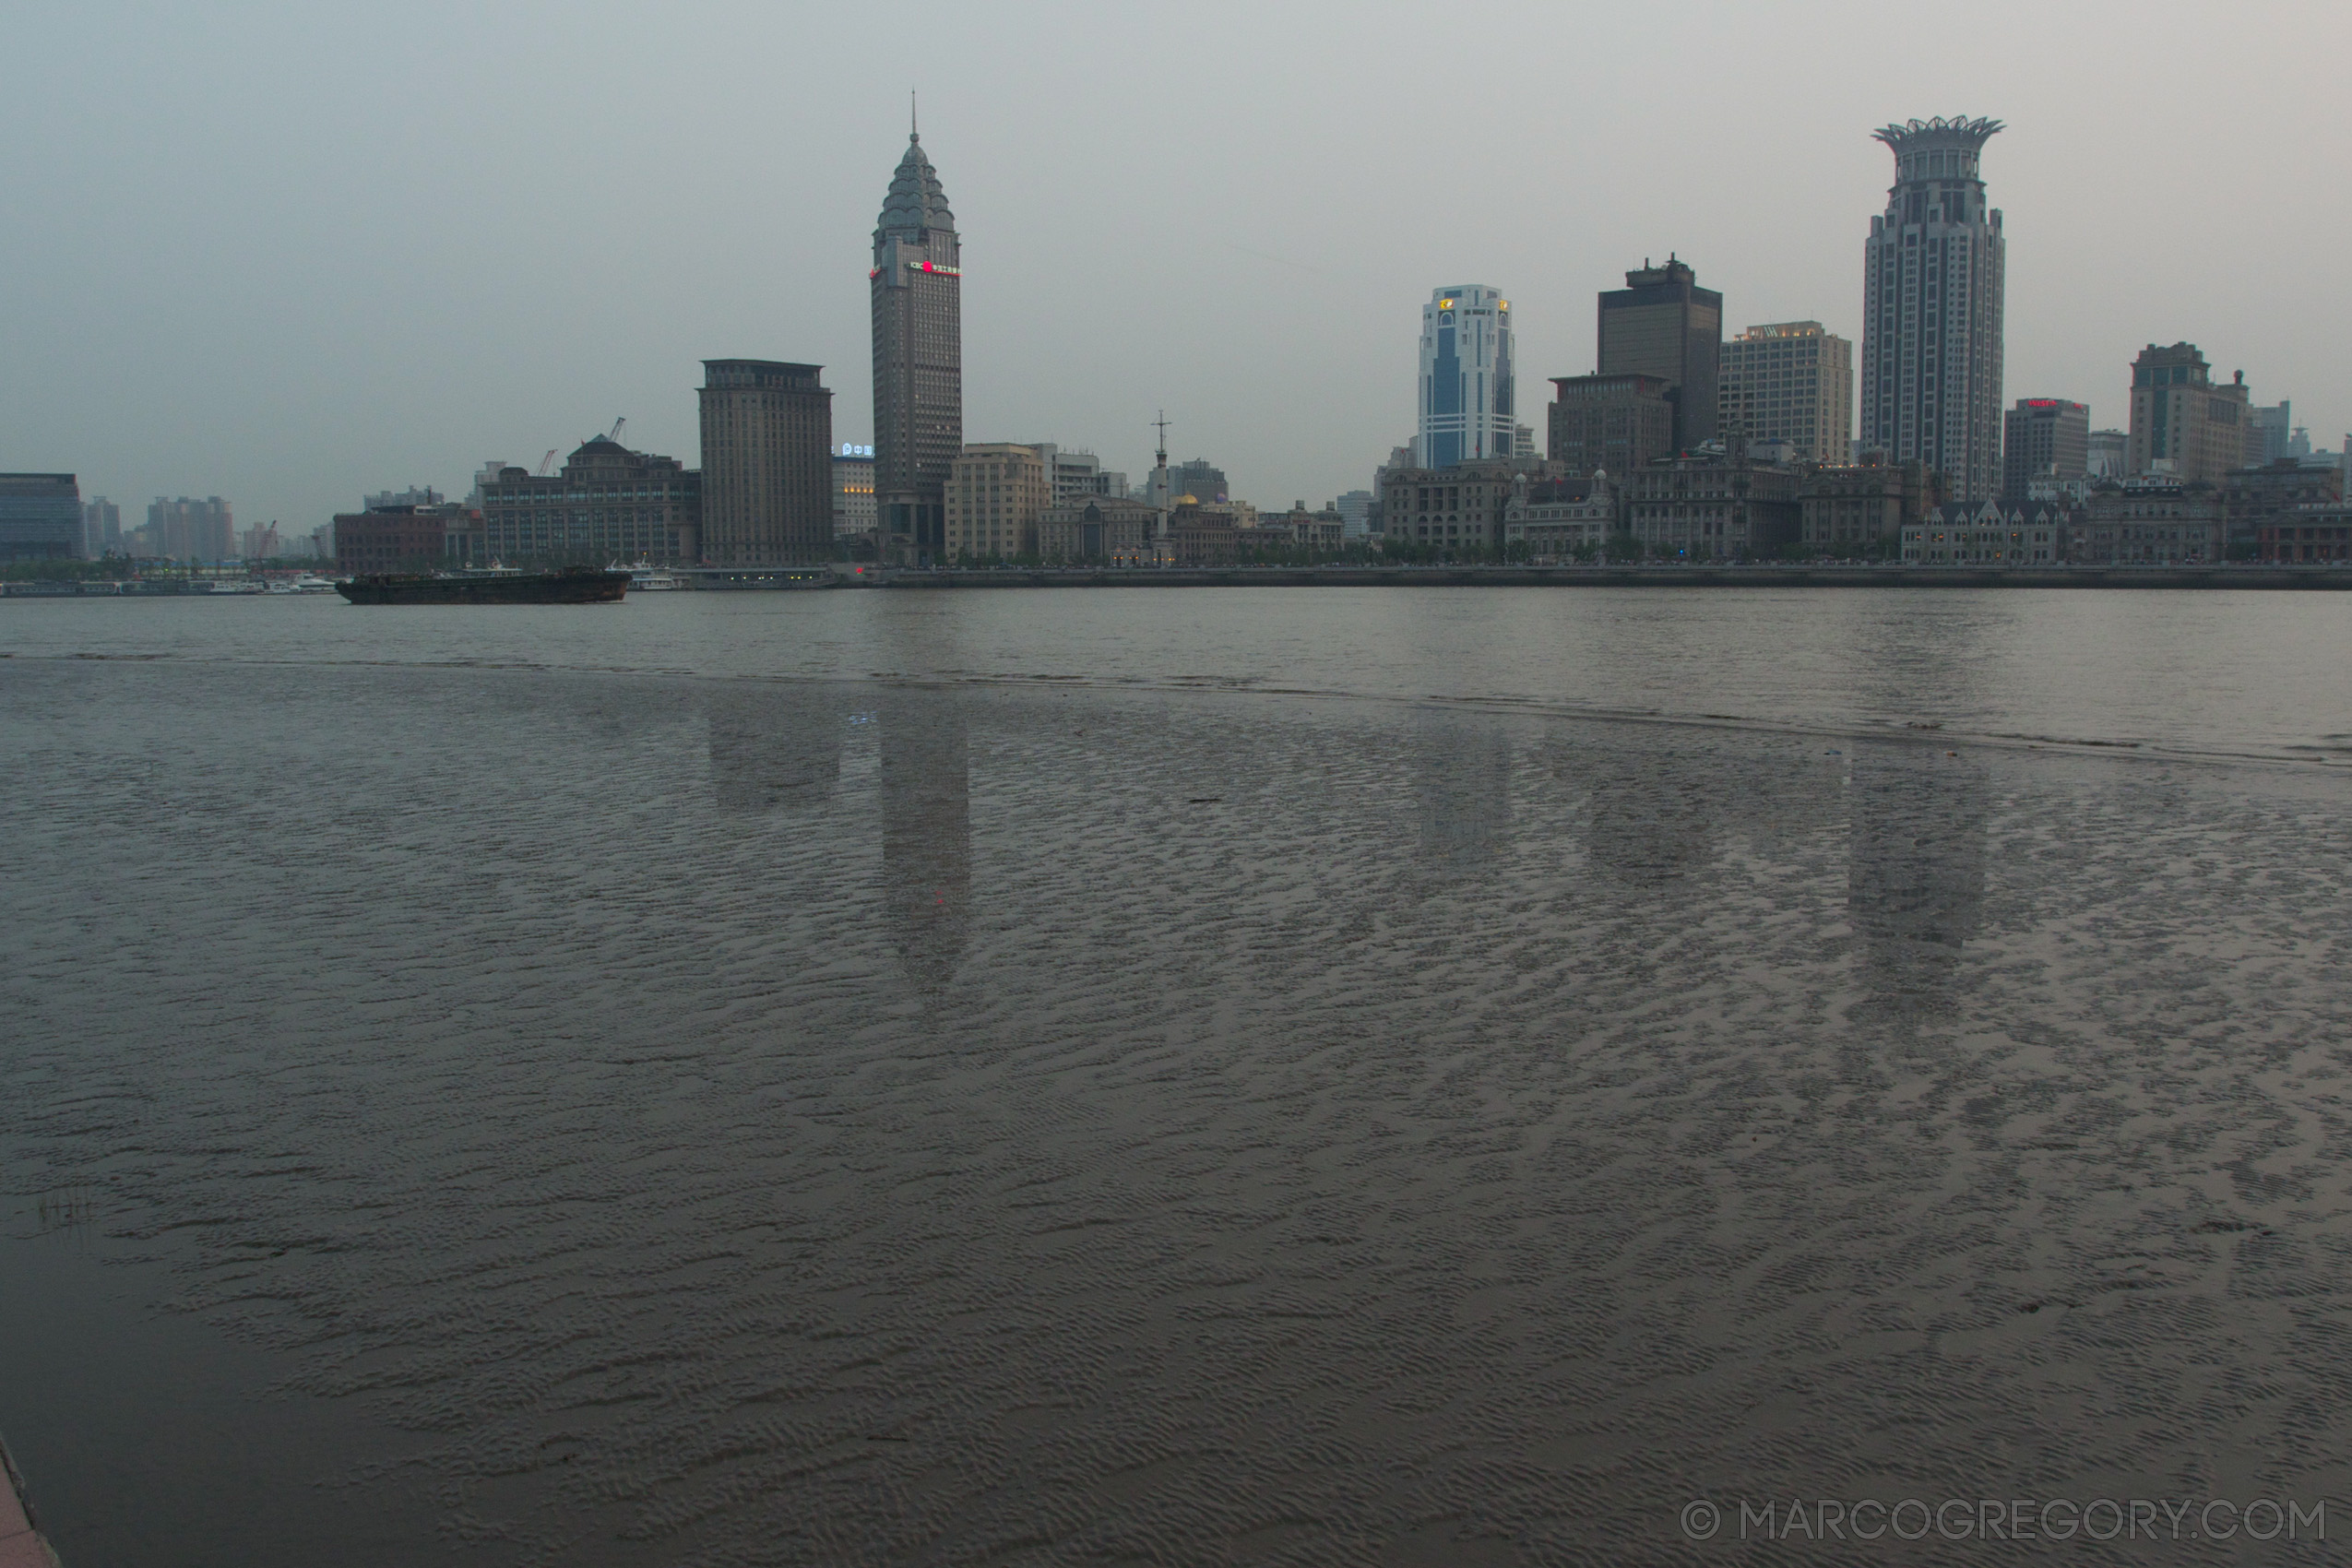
(914,125)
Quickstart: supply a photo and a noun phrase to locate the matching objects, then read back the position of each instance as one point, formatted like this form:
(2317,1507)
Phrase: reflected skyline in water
(827,1120)
(926,809)
(1916,867)
(773,746)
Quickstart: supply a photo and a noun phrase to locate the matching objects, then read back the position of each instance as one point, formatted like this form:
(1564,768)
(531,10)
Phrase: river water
(1251,1076)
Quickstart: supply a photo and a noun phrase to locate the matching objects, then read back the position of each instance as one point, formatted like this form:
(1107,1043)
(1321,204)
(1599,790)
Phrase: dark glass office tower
(918,359)
(1663,323)
(1931,302)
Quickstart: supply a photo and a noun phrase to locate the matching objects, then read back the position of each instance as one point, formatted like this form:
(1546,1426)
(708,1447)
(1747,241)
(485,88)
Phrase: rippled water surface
(666,1085)
(2235,672)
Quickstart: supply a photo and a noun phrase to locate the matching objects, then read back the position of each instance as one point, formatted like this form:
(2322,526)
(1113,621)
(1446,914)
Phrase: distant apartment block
(1616,423)
(186,529)
(102,526)
(1075,474)
(2108,455)
(608,505)
(994,494)
(1662,324)
(40,516)
(1200,479)
(2270,434)
(2043,438)
(1466,388)
(2184,427)
(1788,381)
(767,477)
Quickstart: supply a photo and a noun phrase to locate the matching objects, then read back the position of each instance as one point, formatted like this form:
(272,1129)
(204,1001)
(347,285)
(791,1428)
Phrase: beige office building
(995,493)
(2184,427)
(1788,381)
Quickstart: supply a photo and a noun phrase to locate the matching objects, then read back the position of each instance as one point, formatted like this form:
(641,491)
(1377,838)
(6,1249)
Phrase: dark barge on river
(582,585)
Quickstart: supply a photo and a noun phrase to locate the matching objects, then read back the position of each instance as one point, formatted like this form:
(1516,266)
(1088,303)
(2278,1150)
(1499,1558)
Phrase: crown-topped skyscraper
(918,359)
(1932,304)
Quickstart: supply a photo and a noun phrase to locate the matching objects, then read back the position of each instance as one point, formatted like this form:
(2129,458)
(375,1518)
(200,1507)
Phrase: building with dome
(917,285)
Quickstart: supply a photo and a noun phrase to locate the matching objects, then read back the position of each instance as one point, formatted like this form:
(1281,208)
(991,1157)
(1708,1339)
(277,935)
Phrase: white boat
(647,578)
(314,585)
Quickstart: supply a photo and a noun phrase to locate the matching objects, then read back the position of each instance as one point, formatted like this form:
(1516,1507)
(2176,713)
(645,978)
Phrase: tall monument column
(917,360)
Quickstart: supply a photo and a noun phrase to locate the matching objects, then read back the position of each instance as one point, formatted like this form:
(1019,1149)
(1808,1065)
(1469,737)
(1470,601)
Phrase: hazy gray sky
(287,254)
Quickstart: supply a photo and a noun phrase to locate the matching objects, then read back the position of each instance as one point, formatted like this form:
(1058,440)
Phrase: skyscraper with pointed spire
(917,284)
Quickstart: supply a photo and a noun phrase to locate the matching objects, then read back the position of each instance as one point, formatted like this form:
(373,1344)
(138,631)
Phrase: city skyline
(1204,282)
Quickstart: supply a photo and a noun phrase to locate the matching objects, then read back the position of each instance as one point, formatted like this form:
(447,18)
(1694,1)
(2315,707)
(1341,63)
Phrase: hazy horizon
(288,256)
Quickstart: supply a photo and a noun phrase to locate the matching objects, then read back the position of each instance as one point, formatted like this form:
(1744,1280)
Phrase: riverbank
(1745,576)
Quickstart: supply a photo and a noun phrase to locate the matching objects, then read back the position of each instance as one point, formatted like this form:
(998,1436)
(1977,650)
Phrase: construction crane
(547,462)
(615,433)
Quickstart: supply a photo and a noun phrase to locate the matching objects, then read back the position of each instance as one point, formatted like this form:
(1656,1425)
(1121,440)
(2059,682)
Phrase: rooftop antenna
(1161,423)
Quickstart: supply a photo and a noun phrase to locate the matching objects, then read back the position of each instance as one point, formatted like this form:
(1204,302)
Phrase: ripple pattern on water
(762,1122)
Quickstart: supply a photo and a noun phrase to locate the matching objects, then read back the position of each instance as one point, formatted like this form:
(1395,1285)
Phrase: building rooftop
(916,200)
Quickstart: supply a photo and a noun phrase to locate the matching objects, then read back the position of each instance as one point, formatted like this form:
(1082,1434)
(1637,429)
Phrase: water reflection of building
(926,832)
(1653,817)
(773,746)
(1916,870)
(1462,790)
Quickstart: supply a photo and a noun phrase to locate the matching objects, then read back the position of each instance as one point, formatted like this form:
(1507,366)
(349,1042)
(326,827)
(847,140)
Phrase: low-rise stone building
(1562,520)
(2253,498)
(1108,528)
(2147,522)
(1851,508)
(1707,505)
(1986,534)
(1461,506)
(2307,535)
(1298,529)
(1202,536)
